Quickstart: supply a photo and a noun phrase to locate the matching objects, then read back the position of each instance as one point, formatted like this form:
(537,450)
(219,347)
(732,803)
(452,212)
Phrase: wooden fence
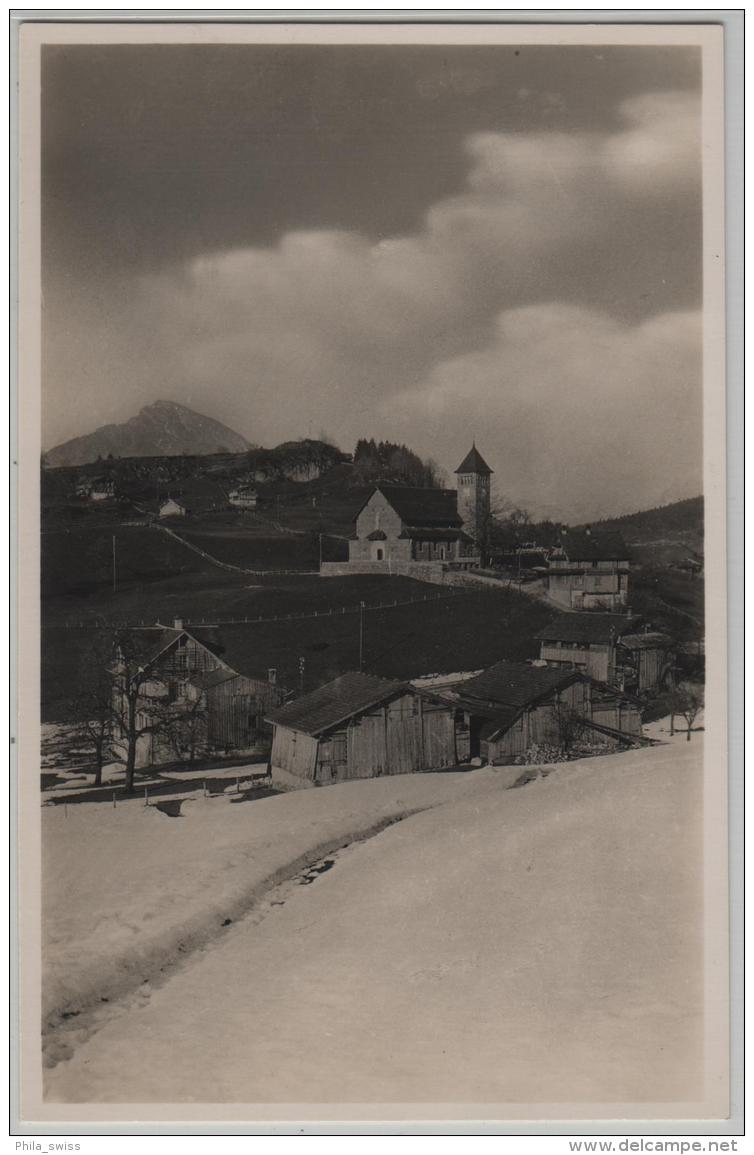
(333,611)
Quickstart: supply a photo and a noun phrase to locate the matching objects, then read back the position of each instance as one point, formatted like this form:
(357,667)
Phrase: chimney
(272,676)
(177,623)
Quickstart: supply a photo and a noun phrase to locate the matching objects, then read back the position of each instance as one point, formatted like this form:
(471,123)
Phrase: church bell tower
(473,481)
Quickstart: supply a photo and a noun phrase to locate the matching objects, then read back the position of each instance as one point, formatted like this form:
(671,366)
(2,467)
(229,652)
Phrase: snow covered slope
(126,889)
(540,944)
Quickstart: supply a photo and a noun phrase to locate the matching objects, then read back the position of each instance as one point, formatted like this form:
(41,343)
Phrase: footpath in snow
(541,944)
(127,890)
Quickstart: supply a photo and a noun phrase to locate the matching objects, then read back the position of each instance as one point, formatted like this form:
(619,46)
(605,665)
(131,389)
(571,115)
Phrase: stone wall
(436,572)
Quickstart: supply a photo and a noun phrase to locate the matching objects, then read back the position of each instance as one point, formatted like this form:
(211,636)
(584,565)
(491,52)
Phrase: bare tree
(92,705)
(94,730)
(132,714)
(144,702)
(569,723)
(687,700)
(184,726)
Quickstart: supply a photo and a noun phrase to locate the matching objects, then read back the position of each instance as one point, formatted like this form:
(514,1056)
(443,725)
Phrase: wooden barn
(585,642)
(649,656)
(615,648)
(514,706)
(362,726)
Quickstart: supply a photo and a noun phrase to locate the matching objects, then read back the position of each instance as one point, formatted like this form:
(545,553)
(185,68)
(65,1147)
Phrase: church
(402,525)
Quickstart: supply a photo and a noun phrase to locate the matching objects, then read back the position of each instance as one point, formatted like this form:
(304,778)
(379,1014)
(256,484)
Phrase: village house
(191,700)
(421,531)
(514,706)
(191,498)
(171,507)
(361,726)
(615,648)
(589,570)
(243,497)
(96,489)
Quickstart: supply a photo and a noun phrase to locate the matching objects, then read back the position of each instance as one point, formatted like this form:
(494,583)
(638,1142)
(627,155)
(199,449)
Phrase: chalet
(361,726)
(614,648)
(191,700)
(243,497)
(514,706)
(588,570)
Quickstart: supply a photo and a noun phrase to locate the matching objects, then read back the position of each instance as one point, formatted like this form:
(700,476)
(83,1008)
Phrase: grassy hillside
(465,631)
(669,534)
(667,546)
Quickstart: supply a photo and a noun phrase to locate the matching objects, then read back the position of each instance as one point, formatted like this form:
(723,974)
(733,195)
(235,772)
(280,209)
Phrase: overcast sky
(426,245)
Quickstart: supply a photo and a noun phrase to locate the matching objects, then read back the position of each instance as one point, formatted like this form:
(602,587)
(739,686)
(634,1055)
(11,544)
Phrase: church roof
(430,508)
(473,462)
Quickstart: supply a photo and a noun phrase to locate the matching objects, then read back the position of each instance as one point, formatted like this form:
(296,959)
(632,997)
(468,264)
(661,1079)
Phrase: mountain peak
(163,428)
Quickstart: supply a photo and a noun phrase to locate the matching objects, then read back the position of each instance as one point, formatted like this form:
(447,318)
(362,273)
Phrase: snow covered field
(538,944)
(126,889)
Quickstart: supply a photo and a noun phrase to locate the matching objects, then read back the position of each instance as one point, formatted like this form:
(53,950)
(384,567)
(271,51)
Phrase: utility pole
(301,672)
(114,573)
(361,636)
(320,551)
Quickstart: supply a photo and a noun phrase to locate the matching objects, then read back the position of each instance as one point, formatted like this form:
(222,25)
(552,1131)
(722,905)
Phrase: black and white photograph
(373,653)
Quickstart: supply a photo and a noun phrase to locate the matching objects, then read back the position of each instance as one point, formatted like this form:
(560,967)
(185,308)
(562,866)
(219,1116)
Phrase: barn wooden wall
(402,737)
(235,710)
(294,752)
(537,726)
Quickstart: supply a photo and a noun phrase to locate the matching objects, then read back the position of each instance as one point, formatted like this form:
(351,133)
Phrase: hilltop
(672,532)
(667,547)
(164,428)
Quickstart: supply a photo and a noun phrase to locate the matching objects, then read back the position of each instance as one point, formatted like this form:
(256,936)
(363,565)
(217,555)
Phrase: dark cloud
(156,153)
(292,238)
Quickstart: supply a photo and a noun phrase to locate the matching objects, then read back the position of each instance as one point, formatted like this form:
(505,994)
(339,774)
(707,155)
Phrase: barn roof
(517,684)
(590,627)
(421,507)
(473,462)
(335,702)
(648,641)
(593,545)
(501,694)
